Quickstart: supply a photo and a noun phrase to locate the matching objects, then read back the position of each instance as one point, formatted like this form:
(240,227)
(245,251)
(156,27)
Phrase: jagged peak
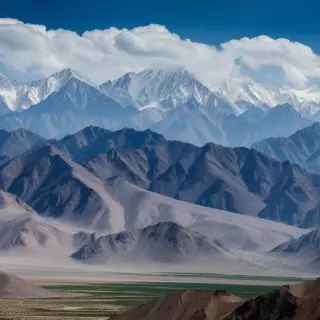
(91,129)
(64,76)
(153,73)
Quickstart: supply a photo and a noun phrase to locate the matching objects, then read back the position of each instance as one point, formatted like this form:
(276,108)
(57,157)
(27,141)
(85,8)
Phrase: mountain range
(161,243)
(55,186)
(234,179)
(78,175)
(103,197)
(303,148)
(171,102)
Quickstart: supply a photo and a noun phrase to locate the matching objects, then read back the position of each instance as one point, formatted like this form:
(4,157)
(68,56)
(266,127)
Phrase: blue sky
(157,35)
(207,21)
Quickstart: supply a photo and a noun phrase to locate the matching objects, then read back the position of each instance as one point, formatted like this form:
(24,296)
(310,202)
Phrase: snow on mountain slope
(76,105)
(20,96)
(165,242)
(306,101)
(165,89)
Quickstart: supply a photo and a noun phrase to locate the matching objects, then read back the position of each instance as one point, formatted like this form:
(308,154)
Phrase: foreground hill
(294,302)
(13,287)
(186,305)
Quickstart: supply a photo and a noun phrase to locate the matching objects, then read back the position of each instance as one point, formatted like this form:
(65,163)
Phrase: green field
(233,277)
(90,301)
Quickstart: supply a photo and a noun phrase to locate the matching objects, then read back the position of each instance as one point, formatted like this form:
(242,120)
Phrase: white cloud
(9,21)
(107,54)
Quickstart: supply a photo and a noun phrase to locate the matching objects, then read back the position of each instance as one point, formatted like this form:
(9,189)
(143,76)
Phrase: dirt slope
(185,305)
(13,287)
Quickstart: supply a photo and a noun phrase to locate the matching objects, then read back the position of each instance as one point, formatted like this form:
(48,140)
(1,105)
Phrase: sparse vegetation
(100,301)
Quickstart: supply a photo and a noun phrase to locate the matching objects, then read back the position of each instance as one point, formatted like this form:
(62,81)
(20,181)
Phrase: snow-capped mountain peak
(163,89)
(63,76)
(153,84)
(19,96)
(306,100)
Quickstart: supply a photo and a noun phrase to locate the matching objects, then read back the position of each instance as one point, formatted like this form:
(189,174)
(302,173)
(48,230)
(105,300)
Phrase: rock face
(13,287)
(186,305)
(294,302)
(277,305)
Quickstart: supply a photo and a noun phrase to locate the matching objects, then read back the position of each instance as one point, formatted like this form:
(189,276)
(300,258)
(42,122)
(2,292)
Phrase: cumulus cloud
(107,54)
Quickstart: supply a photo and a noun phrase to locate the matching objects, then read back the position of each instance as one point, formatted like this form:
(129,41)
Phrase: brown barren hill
(13,287)
(185,305)
(308,294)
(291,302)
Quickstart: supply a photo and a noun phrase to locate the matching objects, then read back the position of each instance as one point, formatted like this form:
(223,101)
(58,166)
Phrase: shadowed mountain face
(17,142)
(165,242)
(294,302)
(75,105)
(306,248)
(240,180)
(91,141)
(53,185)
(303,148)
